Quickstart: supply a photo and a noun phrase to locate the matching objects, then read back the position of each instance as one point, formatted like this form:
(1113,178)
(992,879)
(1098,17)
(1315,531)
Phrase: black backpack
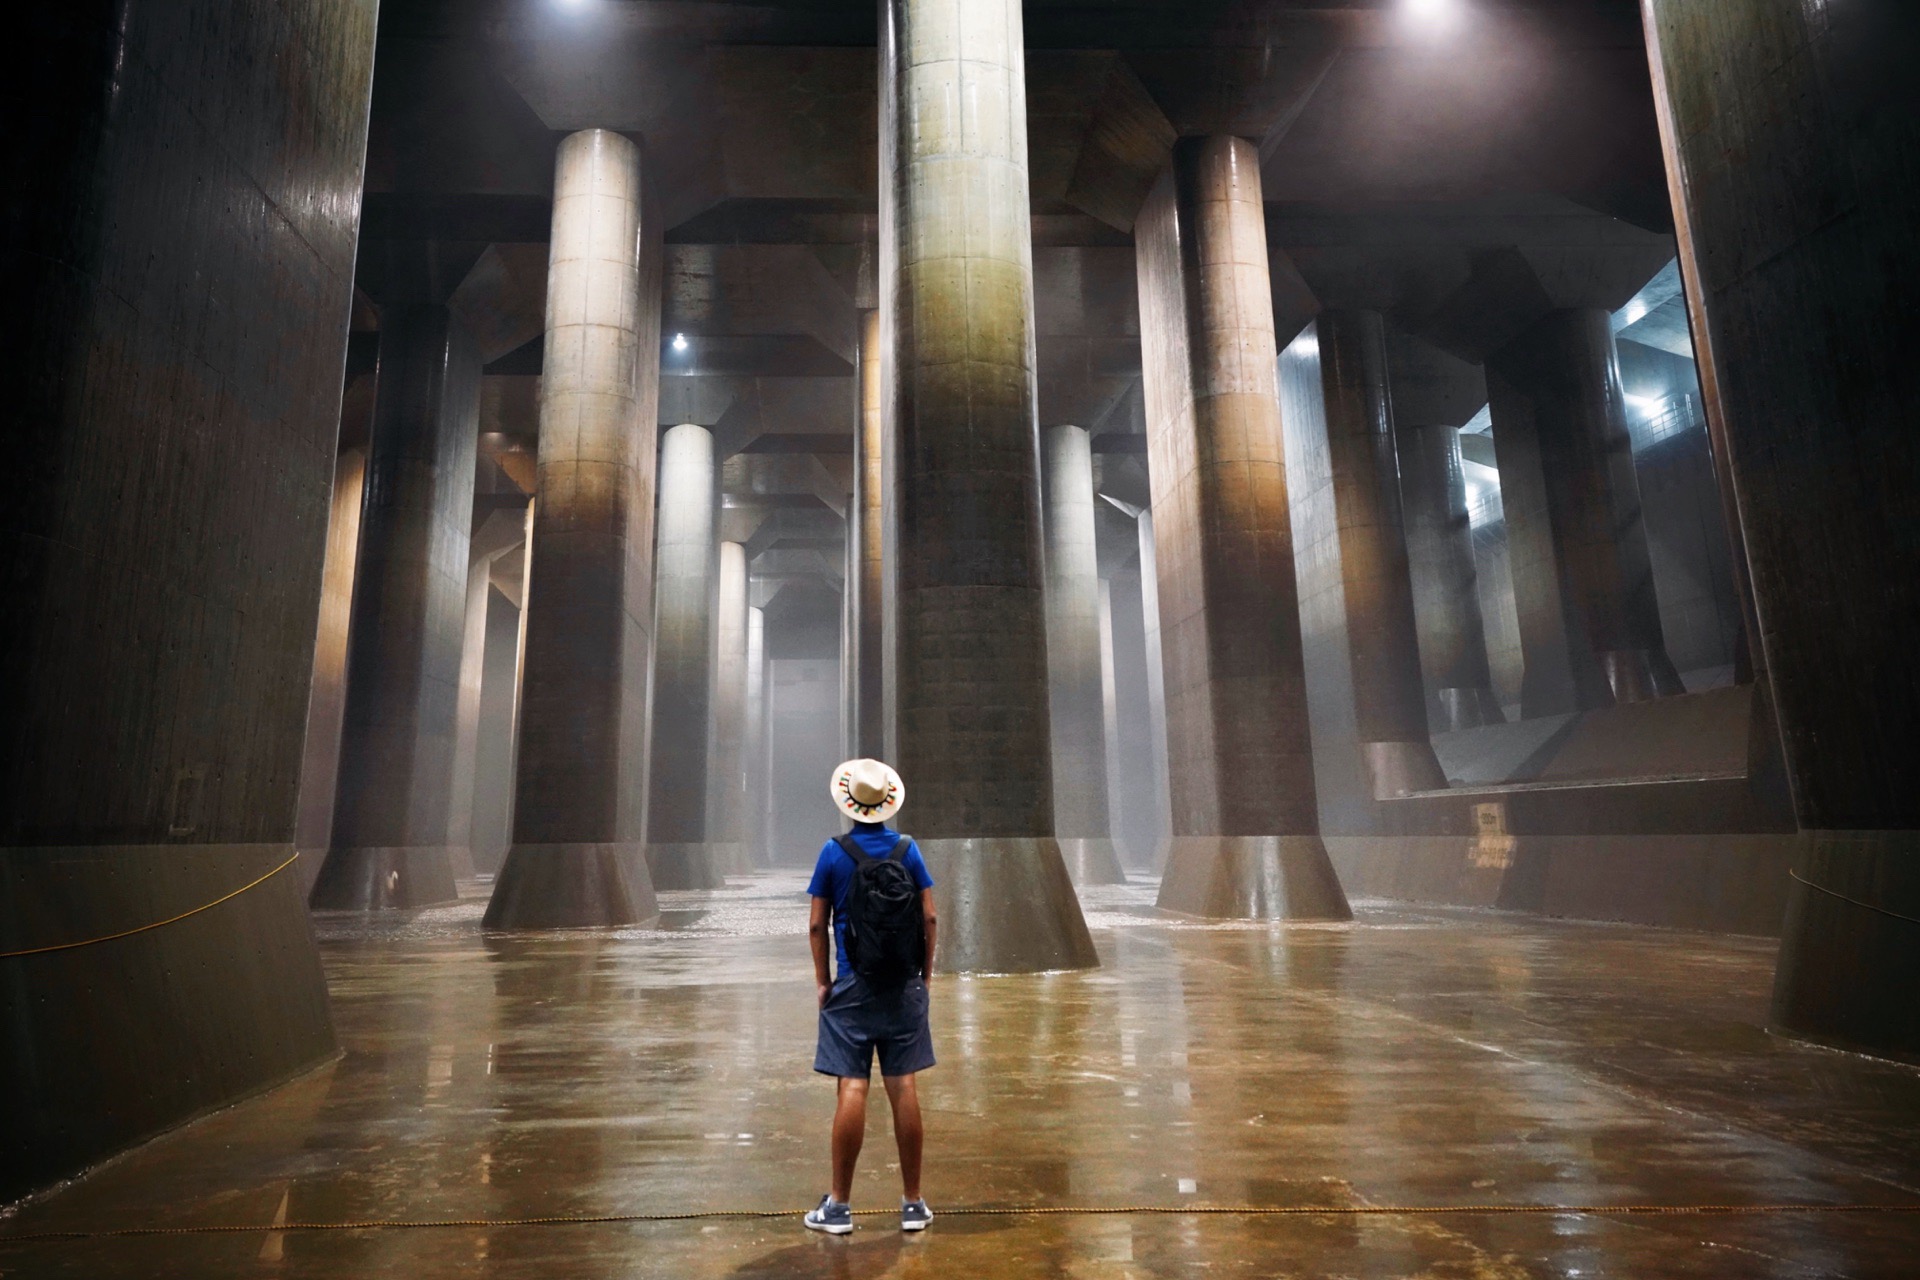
(886,930)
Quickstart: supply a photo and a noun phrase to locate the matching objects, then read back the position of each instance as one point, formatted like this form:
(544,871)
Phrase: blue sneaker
(914,1215)
(830,1217)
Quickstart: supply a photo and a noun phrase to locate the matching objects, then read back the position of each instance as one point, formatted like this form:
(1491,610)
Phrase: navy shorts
(856,1022)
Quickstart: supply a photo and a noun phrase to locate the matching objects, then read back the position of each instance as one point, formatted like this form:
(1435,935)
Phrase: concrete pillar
(492,820)
(1446,590)
(1582,577)
(866,538)
(971,673)
(579,809)
(174,363)
(394,795)
(466,740)
(1074,662)
(1139,788)
(1246,831)
(726,780)
(320,762)
(503,531)
(677,849)
(1156,690)
(753,741)
(1383,642)
(1110,725)
(1790,140)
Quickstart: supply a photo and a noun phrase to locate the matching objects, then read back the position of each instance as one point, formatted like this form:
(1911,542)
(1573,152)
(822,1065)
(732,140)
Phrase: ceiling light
(679,342)
(1432,13)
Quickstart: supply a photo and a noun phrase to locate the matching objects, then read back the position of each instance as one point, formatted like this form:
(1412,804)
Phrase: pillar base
(1401,768)
(1006,906)
(1640,675)
(572,886)
(1252,878)
(729,858)
(387,878)
(1848,974)
(1468,708)
(685,865)
(1091,860)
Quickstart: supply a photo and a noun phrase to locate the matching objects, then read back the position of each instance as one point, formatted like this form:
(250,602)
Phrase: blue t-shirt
(833,875)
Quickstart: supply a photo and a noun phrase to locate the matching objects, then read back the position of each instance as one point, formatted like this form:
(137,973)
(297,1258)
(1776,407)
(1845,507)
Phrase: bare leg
(904,1093)
(849,1130)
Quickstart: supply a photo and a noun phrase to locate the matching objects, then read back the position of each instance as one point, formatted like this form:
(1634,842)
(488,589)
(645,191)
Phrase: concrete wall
(181,219)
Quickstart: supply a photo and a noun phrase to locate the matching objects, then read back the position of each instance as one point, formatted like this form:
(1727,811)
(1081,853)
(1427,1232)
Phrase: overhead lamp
(1432,13)
(679,342)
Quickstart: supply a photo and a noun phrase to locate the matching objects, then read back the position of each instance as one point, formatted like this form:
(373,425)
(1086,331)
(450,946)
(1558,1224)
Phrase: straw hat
(867,790)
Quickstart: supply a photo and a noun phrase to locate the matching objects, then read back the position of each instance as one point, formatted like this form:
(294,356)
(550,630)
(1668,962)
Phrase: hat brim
(838,787)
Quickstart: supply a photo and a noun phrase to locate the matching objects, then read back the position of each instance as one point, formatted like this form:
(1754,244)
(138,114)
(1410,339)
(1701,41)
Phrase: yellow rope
(1835,893)
(1010,1211)
(157,924)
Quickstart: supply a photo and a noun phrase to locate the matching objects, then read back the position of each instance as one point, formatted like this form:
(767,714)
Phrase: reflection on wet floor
(1416,1056)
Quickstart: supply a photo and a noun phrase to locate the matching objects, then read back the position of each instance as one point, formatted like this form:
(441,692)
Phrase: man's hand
(826,989)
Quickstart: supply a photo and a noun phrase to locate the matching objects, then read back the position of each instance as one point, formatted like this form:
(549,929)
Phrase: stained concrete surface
(1413,1057)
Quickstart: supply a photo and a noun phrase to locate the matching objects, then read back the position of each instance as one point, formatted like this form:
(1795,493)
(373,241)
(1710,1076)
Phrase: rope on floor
(1006,1211)
(1835,893)
(157,924)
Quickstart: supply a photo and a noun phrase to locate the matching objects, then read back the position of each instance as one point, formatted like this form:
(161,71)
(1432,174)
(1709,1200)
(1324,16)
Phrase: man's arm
(819,926)
(933,928)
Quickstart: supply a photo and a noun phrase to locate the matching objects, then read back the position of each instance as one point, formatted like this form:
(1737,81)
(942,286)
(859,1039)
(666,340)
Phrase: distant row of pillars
(1234,716)
(988,610)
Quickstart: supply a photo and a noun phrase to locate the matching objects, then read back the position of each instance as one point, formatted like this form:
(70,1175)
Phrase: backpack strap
(852,849)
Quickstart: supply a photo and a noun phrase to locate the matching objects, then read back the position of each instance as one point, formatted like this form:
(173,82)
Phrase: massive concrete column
(753,741)
(677,849)
(971,673)
(466,737)
(179,267)
(1074,664)
(327,703)
(1389,699)
(579,808)
(493,757)
(1791,140)
(866,536)
(726,780)
(1446,591)
(1582,578)
(1246,830)
(1156,689)
(502,531)
(394,794)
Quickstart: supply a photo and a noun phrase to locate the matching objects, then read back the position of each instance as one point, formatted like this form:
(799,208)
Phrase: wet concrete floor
(1415,1057)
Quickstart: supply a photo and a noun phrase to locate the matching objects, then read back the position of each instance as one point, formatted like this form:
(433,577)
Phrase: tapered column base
(1091,860)
(1640,675)
(1252,878)
(1468,708)
(572,886)
(689,865)
(390,878)
(1006,906)
(1402,768)
(1849,967)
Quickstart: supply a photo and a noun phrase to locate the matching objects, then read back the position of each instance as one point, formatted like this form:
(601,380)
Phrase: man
(868,881)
